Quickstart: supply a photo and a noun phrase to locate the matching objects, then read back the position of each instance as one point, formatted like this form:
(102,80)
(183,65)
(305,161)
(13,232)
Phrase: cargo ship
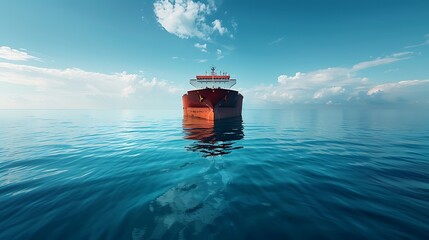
(213,99)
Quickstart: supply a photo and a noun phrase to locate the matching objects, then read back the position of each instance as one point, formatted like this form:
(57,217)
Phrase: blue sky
(141,54)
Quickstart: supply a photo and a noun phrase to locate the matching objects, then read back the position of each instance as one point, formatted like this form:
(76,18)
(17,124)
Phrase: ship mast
(213,71)
(213,74)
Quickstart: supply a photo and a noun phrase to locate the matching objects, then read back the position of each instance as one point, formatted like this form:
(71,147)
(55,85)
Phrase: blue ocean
(300,173)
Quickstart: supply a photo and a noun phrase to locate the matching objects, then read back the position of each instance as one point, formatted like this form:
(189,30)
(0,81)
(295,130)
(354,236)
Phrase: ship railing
(216,83)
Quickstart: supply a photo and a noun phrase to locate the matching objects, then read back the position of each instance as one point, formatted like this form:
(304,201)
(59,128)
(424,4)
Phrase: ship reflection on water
(213,138)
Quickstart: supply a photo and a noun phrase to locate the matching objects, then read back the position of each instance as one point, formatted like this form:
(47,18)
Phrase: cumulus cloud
(217,26)
(77,88)
(283,79)
(328,92)
(407,91)
(390,87)
(14,54)
(187,18)
(202,47)
(330,85)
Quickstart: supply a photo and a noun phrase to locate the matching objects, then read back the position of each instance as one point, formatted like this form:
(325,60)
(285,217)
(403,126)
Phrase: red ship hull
(212,104)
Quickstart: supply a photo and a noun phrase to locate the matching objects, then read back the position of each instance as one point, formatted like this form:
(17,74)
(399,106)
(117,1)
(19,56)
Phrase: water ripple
(298,174)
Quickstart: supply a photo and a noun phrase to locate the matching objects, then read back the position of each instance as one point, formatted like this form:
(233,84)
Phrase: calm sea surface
(297,174)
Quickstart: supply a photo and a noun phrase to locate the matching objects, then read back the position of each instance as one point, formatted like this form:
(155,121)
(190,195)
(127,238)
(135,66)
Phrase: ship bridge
(213,80)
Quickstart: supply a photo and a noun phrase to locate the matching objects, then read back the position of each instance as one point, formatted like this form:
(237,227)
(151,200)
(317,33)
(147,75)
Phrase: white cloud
(202,47)
(382,61)
(201,60)
(187,18)
(234,24)
(426,42)
(328,92)
(14,54)
(127,91)
(390,87)
(278,40)
(217,26)
(283,79)
(75,88)
(183,18)
(407,91)
(333,85)
(219,54)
